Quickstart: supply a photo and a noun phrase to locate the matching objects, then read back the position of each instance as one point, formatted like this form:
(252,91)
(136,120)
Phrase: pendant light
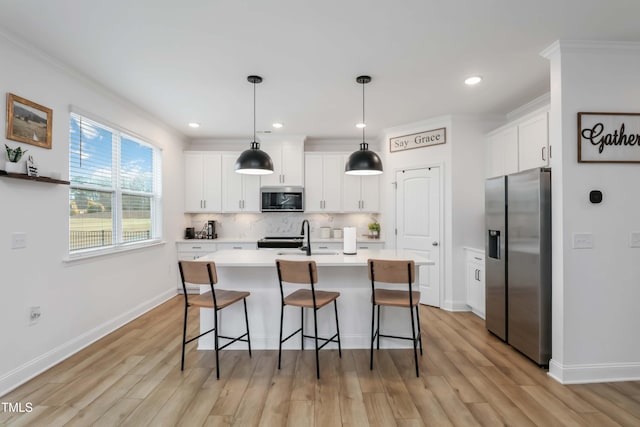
(254,161)
(363,161)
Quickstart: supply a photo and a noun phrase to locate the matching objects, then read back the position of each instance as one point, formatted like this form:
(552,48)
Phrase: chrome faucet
(308,248)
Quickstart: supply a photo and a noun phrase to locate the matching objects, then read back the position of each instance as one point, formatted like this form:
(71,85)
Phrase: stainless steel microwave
(282,199)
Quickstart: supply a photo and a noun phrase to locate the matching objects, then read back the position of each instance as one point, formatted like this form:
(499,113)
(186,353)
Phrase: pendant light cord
(363,122)
(254,111)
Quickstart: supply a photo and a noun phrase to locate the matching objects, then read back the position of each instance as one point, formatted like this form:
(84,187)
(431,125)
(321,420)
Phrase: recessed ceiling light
(194,125)
(277,125)
(361,125)
(473,80)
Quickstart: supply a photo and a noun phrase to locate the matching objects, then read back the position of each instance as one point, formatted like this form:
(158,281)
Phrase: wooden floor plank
(132,377)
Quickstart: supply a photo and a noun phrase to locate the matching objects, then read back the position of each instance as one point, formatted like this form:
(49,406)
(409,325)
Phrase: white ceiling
(188,60)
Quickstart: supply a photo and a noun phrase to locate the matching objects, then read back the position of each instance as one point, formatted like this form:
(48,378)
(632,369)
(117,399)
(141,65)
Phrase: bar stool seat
(304,298)
(393,298)
(305,273)
(224,298)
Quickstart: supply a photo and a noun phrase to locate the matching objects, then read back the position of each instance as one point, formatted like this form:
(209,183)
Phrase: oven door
(282,199)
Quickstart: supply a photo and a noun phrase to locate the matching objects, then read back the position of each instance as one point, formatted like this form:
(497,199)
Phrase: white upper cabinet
(240,193)
(519,145)
(360,193)
(502,152)
(288,163)
(323,182)
(533,142)
(203,182)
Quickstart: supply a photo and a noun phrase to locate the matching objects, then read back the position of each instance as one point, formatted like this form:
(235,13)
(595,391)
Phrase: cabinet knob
(434,244)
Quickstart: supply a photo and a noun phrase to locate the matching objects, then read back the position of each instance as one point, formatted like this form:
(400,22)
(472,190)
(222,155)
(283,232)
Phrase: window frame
(155,195)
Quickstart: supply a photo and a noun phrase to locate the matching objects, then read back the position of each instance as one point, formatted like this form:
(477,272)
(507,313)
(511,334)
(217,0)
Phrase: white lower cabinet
(237,246)
(474,261)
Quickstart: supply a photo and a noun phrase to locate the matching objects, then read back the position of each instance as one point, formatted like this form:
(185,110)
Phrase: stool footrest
(233,340)
(195,338)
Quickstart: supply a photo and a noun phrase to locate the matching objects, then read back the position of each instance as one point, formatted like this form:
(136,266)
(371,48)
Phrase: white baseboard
(450,305)
(34,367)
(596,373)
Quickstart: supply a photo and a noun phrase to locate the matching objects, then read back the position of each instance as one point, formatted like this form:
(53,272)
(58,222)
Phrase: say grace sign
(609,137)
(418,140)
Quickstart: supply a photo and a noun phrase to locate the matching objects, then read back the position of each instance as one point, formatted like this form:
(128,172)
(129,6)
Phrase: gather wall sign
(418,140)
(609,137)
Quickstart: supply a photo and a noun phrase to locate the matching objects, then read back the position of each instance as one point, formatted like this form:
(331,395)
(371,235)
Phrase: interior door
(418,224)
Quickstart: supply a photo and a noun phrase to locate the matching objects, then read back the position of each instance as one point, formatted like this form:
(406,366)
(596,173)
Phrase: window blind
(114,194)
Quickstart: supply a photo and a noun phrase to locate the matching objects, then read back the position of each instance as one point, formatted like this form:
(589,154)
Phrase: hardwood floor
(468,377)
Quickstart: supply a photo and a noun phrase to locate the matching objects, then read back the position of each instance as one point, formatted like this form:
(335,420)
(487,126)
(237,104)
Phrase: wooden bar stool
(200,273)
(387,271)
(305,272)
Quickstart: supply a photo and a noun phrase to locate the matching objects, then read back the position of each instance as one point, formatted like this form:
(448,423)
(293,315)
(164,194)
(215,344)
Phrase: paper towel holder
(349,233)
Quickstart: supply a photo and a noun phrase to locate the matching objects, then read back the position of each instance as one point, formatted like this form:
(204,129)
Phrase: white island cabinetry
(255,271)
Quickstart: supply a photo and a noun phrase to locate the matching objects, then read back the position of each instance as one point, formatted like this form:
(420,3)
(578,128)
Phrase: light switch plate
(582,240)
(18,240)
(635,239)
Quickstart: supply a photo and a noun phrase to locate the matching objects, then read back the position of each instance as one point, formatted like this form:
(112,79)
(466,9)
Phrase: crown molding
(560,46)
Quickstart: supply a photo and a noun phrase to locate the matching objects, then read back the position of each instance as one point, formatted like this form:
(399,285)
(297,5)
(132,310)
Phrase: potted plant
(14,155)
(374,230)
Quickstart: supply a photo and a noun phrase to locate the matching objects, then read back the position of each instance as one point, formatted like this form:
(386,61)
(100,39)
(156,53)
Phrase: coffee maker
(211,230)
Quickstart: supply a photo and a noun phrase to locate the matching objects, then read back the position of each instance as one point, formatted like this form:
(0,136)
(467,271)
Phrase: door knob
(434,244)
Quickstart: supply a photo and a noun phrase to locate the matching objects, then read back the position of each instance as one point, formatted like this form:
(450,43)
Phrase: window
(115,192)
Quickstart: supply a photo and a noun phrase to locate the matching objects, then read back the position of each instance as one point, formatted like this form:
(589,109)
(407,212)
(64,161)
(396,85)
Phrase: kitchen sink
(313,253)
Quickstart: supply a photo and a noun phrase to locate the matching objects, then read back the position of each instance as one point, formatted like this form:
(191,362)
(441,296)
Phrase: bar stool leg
(419,332)
(280,340)
(246,319)
(415,341)
(373,335)
(378,344)
(315,327)
(302,328)
(335,306)
(216,343)
(184,336)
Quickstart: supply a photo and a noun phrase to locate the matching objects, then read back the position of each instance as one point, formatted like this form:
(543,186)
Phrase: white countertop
(327,258)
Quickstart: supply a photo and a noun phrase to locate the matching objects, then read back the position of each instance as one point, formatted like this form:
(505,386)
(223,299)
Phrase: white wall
(462,174)
(80,301)
(595,291)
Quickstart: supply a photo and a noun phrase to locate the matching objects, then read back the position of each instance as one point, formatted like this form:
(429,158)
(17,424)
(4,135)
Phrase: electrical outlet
(582,240)
(635,239)
(34,315)
(18,240)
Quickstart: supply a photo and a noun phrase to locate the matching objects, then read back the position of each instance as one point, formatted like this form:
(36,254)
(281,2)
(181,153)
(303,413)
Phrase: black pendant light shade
(363,161)
(254,161)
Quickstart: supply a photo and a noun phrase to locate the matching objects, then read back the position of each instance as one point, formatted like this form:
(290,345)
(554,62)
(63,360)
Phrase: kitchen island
(255,271)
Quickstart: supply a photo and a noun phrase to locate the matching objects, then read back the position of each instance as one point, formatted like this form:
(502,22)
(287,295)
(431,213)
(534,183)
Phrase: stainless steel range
(280,242)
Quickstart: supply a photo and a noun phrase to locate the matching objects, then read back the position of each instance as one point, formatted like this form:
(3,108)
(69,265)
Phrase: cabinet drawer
(370,245)
(237,246)
(326,245)
(197,246)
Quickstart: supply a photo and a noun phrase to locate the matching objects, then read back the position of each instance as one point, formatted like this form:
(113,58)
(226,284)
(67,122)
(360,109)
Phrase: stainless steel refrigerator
(518,261)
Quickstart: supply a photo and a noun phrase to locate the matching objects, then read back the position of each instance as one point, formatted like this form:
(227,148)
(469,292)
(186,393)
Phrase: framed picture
(28,122)
(608,137)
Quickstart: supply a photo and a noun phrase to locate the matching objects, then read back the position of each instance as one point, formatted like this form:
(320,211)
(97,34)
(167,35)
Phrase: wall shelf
(6,174)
